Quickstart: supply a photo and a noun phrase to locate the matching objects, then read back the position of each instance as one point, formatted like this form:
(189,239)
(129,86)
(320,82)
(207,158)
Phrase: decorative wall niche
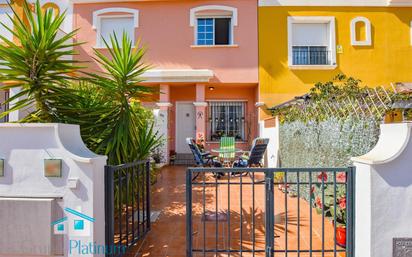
(360,32)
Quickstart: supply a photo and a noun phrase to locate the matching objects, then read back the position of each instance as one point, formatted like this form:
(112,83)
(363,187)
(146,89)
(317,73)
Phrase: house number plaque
(402,247)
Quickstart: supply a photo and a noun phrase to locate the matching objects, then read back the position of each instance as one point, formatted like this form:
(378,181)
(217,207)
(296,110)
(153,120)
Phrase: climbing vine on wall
(340,98)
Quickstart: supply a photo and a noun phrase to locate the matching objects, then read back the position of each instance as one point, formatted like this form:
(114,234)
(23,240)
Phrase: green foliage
(114,123)
(39,64)
(334,200)
(341,98)
(105,105)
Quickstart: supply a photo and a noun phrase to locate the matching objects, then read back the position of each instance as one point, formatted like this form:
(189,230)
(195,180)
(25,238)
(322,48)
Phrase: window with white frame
(227,118)
(106,23)
(4,18)
(311,41)
(213,24)
(213,31)
(411,33)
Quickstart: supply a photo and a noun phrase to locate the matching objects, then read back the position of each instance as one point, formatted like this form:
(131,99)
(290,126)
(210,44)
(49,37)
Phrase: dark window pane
(222,31)
(227,119)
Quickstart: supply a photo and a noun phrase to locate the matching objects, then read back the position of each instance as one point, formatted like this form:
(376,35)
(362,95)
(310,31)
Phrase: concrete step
(184,159)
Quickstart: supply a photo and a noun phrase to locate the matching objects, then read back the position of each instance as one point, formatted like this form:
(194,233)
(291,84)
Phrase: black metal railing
(295,212)
(127,205)
(311,57)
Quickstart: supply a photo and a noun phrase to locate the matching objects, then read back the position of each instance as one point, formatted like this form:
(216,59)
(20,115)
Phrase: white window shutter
(310,34)
(6,20)
(117,25)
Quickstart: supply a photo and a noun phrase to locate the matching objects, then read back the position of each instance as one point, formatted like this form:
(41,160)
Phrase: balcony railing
(311,57)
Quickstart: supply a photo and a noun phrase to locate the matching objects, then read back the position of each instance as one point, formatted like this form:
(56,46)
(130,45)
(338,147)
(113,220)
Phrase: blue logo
(79,224)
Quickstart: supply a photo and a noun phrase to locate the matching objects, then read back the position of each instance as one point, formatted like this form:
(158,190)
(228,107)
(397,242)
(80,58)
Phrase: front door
(185,125)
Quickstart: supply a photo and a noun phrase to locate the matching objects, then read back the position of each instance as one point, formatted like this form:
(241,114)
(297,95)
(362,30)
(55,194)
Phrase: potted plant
(158,155)
(200,142)
(330,201)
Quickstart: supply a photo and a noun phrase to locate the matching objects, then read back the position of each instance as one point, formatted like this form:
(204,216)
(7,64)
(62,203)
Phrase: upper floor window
(213,31)
(108,21)
(213,24)
(311,42)
(4,18)
(360,30)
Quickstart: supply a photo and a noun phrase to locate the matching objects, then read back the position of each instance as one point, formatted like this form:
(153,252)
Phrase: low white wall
(383,192)
(81,186)
(272,152)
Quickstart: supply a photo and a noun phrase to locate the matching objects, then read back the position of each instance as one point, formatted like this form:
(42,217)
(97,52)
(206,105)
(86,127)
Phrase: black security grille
(311,55)
(270,212)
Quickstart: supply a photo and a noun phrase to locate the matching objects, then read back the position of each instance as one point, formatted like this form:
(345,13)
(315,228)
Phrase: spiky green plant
(123,135)
(40,64)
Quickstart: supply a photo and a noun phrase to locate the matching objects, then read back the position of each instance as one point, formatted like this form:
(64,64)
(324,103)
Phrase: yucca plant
(40,64)
(123,135)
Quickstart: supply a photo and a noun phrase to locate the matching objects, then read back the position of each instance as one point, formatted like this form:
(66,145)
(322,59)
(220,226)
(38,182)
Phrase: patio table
(226,159)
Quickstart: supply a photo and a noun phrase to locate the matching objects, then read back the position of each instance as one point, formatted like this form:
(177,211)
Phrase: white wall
(272,152)
(24,148)
(384,192)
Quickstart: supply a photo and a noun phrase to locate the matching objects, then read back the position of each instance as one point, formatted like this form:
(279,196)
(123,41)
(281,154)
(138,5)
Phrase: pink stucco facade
(164,28)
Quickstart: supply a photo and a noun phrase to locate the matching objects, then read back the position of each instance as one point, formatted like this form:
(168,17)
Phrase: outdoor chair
(254,157)
(227,144)
(202,159)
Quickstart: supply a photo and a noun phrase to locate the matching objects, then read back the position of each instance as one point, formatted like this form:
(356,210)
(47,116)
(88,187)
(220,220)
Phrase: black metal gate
(127,205)
(270,212)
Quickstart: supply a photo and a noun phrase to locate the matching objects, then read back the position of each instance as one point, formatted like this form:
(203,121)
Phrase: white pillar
(161,116)
(270,129)
(383,192)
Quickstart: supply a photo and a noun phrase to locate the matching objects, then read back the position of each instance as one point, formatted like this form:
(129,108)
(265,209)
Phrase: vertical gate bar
(273,208)
(204,213)
(148,209)
(334,213)
(216,215)
(241,215)
(189,213)
(298,223)
(228,215)
(139,171)
(143,181)
(127,207)
(120,175)
(109,206)
(253,215)
(133,202)
(310,214)
(286,213)
(350,212)
(323,213)
(269,213)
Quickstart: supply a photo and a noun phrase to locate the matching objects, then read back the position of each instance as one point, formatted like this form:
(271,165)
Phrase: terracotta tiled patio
(168,235)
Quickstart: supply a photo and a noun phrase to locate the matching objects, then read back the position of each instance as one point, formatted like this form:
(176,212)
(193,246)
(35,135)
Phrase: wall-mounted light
(52,168)
(211,88)
(1,167)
